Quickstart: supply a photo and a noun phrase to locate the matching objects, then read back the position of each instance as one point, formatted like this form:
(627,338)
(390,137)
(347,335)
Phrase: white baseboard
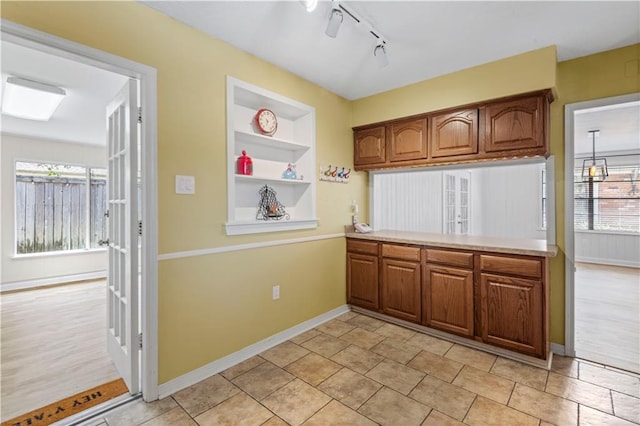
(23,285)
(614,262)
(215,367)
(557,348)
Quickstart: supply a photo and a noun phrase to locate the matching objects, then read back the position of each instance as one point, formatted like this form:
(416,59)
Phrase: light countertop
(529,247)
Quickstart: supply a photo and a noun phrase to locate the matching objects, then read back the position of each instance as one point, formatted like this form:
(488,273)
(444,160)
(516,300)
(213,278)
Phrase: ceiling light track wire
(336,18)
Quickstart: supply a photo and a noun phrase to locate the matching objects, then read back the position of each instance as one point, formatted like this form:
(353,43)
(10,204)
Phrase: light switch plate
(185,184)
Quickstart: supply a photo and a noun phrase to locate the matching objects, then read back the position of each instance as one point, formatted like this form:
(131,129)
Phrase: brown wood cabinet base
(496,298)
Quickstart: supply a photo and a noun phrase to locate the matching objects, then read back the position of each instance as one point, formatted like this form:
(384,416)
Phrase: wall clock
(266,122)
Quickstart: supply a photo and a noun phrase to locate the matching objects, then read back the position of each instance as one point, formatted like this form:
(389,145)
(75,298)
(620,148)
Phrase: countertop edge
(551,251)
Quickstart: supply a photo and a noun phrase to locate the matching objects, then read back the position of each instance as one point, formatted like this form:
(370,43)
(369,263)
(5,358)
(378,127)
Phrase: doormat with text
(70,406)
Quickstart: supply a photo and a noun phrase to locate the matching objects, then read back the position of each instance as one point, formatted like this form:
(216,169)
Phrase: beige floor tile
(626,406)
(313,368)
(592,417)
(435,365)
(545,406)
(336,414)
(487,412)
(357,359)
(347,316)
(436,418)
(396,332)
(368,323)
(175,417)
(275,421)
(263,380)
(350,388)
(623,383)
(565,365)
(582,392)
(362,338)
(473,357)
(335,328)
(396,376)
(486,384)
(284,354)
(241,368)
(296,402)
(138,412)
(388,407)
(198,398)
(396,350)
(325,345)
(518,372)
(442,396)
(303,337)
(430,344)
(239,410)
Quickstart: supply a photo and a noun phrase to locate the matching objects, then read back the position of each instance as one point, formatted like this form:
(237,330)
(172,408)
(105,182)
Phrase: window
(612,205)
(59,207)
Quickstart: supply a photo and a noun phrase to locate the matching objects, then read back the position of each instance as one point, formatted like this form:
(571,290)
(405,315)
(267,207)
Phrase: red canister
(244,165)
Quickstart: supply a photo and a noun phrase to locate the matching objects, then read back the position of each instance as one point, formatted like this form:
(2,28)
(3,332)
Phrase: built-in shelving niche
(293,142)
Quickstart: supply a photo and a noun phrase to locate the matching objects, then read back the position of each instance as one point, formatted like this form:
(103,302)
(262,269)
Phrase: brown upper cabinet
(513,127)
(408,140)
(454,133)
(370,146)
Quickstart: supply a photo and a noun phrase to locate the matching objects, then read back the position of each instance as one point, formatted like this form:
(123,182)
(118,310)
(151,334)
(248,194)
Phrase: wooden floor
(607,315)
(53,344)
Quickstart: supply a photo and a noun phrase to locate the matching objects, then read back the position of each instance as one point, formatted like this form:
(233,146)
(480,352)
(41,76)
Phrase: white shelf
(267,180)
(293,143)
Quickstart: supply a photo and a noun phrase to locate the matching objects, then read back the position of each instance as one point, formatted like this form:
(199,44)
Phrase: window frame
(87,237)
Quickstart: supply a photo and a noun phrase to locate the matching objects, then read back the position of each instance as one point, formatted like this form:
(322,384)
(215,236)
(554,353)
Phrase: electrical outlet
(275,292)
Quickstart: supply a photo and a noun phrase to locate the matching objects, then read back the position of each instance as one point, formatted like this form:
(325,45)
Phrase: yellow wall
(211,306)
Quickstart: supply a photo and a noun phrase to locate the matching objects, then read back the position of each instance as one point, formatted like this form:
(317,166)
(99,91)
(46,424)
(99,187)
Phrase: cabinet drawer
(511,265)
(453,258)
(401,252)
(359,246)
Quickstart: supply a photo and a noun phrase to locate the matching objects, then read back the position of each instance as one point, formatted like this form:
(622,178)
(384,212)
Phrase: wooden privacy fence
(51,213)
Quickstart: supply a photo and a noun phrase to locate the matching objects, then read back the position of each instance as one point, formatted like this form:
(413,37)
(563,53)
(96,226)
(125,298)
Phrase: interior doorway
(145,377)
(602,231)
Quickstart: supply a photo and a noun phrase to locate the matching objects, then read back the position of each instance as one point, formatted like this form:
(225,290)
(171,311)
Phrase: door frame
(569,231)
(147,77)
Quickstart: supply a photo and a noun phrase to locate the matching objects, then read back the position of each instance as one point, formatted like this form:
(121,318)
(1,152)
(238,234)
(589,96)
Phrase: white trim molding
(215,367)
(557,349)
(250,246)
(42,282)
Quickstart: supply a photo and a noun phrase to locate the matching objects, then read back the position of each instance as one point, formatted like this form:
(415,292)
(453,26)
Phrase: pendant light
(594,169)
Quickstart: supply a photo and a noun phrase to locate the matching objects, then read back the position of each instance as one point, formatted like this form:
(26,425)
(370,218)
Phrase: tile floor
(357,370)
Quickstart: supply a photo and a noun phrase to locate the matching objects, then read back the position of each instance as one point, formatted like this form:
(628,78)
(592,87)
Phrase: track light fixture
(309,5)
(380,54)
(335,19)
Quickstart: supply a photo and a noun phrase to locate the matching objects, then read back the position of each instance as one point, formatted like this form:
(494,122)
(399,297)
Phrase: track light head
(309,5)
(381,55)
(335,19)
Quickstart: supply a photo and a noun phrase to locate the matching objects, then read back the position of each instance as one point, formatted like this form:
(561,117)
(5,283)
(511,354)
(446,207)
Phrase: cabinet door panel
(401,289)
(517,124)
(454,133)
(408,140)
(362,280)
(448,299)
(512,313)
(369,146)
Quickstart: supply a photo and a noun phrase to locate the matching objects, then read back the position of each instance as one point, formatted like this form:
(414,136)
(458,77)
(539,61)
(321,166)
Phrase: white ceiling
(619,128)
(425,39)
(81,117)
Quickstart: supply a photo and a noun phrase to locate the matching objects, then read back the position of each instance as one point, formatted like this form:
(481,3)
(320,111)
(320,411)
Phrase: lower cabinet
(401,289)
(447,299)
(512,314)
(362,274)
